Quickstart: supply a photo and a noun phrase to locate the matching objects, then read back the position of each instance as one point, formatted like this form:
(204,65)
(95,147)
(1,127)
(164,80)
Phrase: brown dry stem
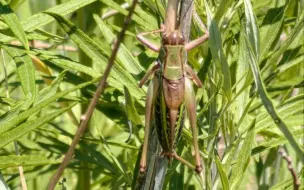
(296,181)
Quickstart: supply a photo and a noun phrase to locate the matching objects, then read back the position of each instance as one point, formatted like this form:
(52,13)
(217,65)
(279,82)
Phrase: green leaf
(275,142)
(131,110)
(40,19)
(8,101)
(93,50)
(118,165)
(269,105)
(286,111)
(271,27)
(252,29)
(274,59)
(244,77)
(222,9)
(26,160)
(223,175)
(215,43)
(8,123)
(123,55)
(123,11)
(3,184)
(177,179)
(243,159)
(68,64)
(28,126)
(13,23)
(26,73)
(51,90)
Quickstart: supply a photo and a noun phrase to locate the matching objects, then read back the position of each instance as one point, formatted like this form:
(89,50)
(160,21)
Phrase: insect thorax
(174,62)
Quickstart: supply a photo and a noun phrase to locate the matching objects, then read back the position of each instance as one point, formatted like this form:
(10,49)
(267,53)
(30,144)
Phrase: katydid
(170,90)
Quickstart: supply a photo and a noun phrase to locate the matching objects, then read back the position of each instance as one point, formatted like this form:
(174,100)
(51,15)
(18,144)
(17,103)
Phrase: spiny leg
(191,107)
(193,44)
(177,157)
(148,74)
(173,155)
(151,96)
(143,40)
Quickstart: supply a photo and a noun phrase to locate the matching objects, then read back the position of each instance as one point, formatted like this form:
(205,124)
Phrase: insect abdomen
(162,122)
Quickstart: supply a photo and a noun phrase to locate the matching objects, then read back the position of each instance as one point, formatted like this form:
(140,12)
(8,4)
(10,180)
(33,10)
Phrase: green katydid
(170,90)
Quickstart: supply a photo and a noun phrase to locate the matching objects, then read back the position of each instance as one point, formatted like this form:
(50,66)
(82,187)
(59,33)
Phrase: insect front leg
(193,44)
(144,41)
(191,108)
(150,100)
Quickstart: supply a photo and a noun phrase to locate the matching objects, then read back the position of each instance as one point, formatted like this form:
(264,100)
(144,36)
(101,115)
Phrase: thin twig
(20,168)
(296,181)
(114,12)
(85,118)
(42,45)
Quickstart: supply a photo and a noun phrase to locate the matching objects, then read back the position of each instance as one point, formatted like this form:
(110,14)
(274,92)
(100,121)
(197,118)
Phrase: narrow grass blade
(131,109)
(3,184)
(26,73)
(286,112)
(41,19)
(271,26)
(25,160)
(252,29)
(66,63)
(117,164)
(28,126)
(7,124)
(223,175)
(275,142)
(123,11)
(124,55)
(290,39)
(218,56)
(51,90)
(11,19)
(222,9)
(177,179)
(269,105)
(93,50)
(243,159)
(288,183)
(243,75)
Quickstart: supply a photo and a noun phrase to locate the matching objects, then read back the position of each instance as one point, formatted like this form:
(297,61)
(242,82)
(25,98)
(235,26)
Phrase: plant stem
(85,118)
(296,181)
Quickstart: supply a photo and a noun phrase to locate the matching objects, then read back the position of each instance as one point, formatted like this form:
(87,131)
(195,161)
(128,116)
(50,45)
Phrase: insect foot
(142,169)
(198,169)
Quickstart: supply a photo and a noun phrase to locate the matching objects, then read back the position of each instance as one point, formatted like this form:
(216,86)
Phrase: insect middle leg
(150,100)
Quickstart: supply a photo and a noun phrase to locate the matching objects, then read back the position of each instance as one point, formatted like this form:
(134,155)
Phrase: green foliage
(251,102)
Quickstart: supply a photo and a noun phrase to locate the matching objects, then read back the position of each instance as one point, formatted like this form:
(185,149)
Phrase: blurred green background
(252,61)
